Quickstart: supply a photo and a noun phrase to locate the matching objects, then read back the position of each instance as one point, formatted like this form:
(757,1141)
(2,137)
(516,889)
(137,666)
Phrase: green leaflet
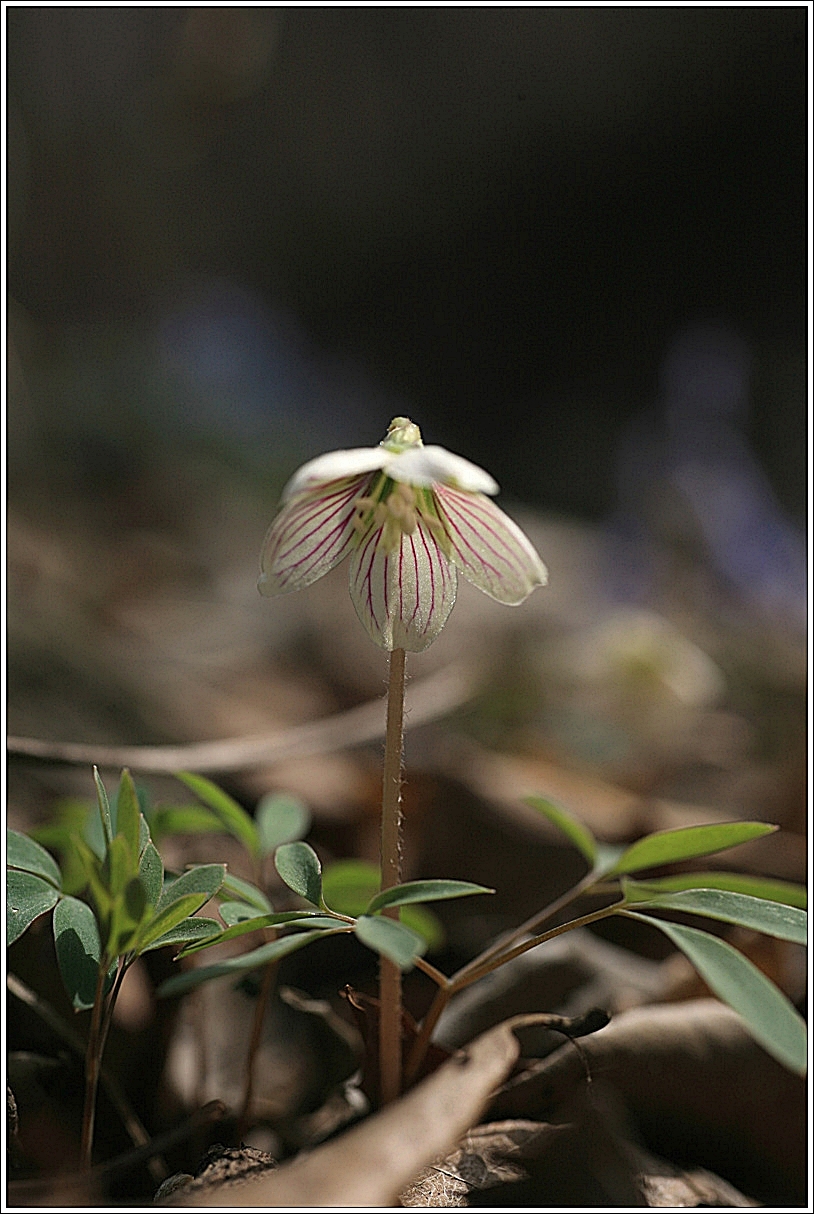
(766,1012)
(79,950)
(299,867)
(423,891)
(390,938)
(205,880)
(27,897)
(773,918)
(195,928)
(281,819)
(168,918)
(25,854)
(668,846)
(272,951)
(570,826)
(740,883)
(244,891)
(233,816)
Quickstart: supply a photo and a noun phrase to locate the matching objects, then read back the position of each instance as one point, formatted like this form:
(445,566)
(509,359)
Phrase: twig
(429,698)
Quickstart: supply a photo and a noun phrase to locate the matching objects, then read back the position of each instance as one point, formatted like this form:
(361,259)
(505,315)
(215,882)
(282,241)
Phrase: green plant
(132,907)
(773,907)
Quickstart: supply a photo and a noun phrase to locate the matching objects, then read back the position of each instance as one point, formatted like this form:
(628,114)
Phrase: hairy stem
(389,973)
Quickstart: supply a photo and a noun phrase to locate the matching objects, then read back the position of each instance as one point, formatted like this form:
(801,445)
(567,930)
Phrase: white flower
(410,517)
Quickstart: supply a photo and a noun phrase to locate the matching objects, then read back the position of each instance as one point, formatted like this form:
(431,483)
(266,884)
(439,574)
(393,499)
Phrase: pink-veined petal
(311,534)
(335,465)
(402,596)
(426,466)
(488,548)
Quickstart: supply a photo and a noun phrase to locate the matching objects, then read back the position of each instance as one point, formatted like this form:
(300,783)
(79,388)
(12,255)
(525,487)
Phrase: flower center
(392,506)
(401,434)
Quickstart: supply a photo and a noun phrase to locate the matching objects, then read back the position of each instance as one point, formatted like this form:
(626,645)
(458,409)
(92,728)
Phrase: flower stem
(389,972)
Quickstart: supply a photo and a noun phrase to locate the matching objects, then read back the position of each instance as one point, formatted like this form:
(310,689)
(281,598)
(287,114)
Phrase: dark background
(275,227)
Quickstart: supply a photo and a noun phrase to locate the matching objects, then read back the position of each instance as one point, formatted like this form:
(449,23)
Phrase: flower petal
(425,466)
(311,534)
(335,465)
(489,548)
(402,596)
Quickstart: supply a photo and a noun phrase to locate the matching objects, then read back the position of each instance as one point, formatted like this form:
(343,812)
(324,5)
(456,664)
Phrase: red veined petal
(312,533)
(488,548)
(402,595)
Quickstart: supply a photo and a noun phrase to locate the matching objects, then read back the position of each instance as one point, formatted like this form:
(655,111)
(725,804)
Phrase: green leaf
(423,891)
(570,826)
(668,846)
(348,885)
(768,1015)
(245,892)
(27,897)
(118,866)
(183,820)
(425,924)
(237,912)
(232,815)
(242,928)
(135,899)
(773,918)
(78,949)
(104,806)
(128,812)
(69,818)
(196,928)
(299,867)
(167,918)
(390,938)
(129,910)
(143,834)
(281,819)
(92,869)
(23,853)
(291,919)
(204,880)
(151,871)
(272,951)
(740,883)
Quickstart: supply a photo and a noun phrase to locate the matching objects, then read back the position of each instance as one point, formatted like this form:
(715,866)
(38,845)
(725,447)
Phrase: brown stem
(93,1065)
(438,978)
(266,988)
(461,980)
(419,1048)
(499,946)
(389,972)
(118,1099)
(110,1003)
(492,959)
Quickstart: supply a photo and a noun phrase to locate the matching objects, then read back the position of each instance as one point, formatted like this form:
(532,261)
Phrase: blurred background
(570,243)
